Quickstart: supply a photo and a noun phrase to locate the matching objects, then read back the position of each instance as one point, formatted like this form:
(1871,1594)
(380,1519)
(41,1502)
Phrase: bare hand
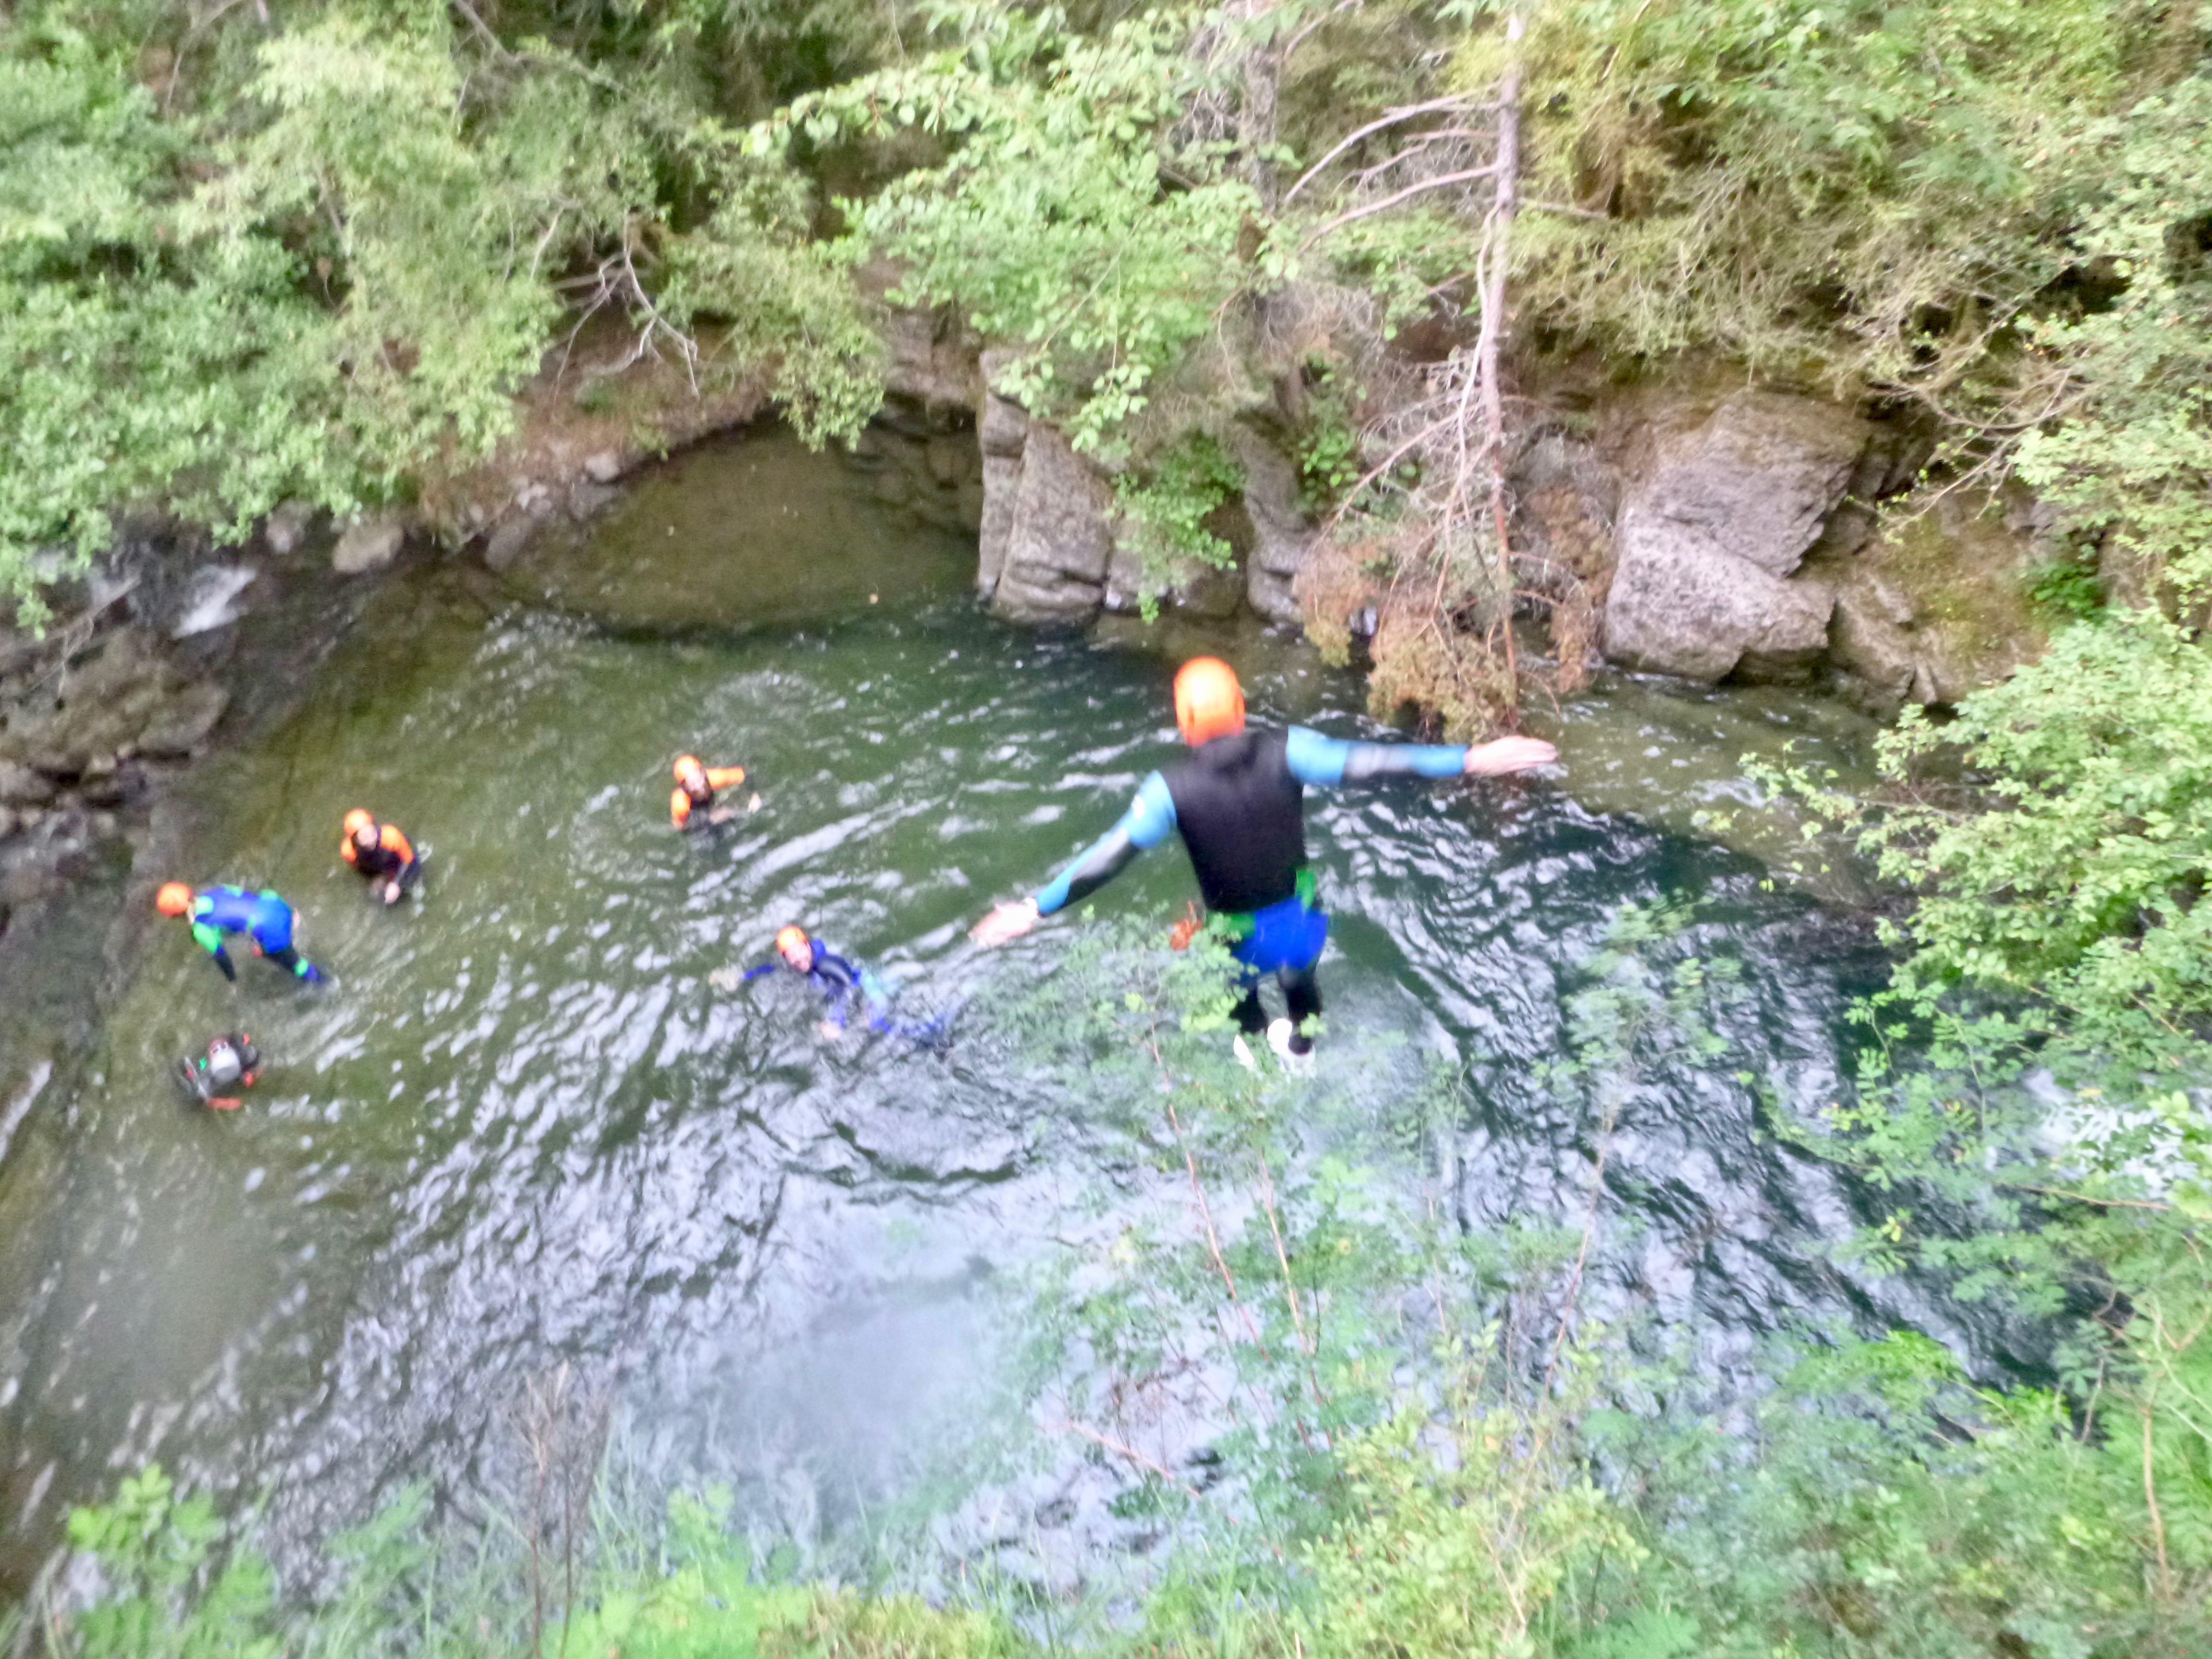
(1005,924)
(1503,755)
(830,1030)
(391,892)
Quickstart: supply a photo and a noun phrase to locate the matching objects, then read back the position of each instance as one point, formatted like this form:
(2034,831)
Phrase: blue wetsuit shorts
(1286,937)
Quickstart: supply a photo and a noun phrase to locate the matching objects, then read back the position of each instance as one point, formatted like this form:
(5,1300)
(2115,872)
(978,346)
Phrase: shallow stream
(524,1128)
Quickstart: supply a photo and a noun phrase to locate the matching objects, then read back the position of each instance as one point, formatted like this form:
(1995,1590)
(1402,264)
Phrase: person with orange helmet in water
(263,917)
(382,854)
(846,987)
(691,803)
(1237,799)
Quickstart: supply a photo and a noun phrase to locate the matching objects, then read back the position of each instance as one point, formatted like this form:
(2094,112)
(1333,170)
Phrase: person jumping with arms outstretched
(1237,799)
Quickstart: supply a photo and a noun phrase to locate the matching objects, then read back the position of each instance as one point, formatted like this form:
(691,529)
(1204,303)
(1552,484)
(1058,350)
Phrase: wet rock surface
(1282,535)
(1059,535)
(81,720)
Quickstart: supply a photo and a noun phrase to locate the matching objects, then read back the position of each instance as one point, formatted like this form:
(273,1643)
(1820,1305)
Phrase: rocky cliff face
(92,713)
(1054,547)
(1934,603)
(1732,532)
(1737,533)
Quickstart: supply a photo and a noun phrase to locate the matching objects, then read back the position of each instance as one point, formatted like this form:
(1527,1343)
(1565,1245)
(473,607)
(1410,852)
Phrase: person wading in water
(261,916)
(1237,799)
(380,855)
(691,803)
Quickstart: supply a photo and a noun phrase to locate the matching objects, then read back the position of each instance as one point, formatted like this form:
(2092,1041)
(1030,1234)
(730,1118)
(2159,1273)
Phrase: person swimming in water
(1237,799)
(381,854)
(691,803)
(263,917)
(846,989)
(214,1077)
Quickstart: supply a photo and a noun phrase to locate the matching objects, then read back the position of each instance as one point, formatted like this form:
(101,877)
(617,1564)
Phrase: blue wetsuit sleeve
(1150,820)
(1329,762)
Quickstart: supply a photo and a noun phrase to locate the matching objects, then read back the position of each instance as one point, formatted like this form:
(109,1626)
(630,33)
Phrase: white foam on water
(208,603)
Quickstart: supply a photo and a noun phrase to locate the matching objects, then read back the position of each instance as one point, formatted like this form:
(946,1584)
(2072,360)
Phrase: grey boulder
(1058,536)
(1709,540)
(370,545)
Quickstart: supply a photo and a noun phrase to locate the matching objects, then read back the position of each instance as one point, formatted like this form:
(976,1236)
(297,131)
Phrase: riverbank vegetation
(244,257)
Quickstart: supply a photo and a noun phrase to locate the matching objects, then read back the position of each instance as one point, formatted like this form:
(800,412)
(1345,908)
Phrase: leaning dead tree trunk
(1497,263)
(1423,543)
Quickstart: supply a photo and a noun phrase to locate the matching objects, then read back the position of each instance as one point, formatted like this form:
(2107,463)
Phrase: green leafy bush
(2065,867)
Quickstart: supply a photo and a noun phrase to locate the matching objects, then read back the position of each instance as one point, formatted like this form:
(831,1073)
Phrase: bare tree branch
(1411,111)
(1370,209)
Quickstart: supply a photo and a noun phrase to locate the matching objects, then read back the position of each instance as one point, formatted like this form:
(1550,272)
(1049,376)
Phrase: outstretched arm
(1149,821)
(1326,762)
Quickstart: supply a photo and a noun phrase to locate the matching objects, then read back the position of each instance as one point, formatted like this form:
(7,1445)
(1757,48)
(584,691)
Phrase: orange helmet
(356,818)
(791,937)
(689,767)
(175,899)
(1209,703)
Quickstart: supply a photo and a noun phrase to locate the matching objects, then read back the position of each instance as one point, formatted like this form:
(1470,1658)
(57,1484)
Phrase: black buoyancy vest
(376,862)
(1243,818)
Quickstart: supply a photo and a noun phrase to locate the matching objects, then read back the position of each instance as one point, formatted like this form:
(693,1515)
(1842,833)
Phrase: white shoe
(1243,1054)
(1279,1038)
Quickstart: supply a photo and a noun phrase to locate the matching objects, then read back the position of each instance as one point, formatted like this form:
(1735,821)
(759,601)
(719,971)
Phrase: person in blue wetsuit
(847,990)
(263,917)
(1237,799)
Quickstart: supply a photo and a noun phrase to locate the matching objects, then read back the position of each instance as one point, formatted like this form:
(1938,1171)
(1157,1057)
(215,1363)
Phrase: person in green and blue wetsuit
(262,917)
(1237,799)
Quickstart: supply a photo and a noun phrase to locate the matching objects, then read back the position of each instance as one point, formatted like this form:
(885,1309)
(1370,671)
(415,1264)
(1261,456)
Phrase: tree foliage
(1882,189)
(317,260)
